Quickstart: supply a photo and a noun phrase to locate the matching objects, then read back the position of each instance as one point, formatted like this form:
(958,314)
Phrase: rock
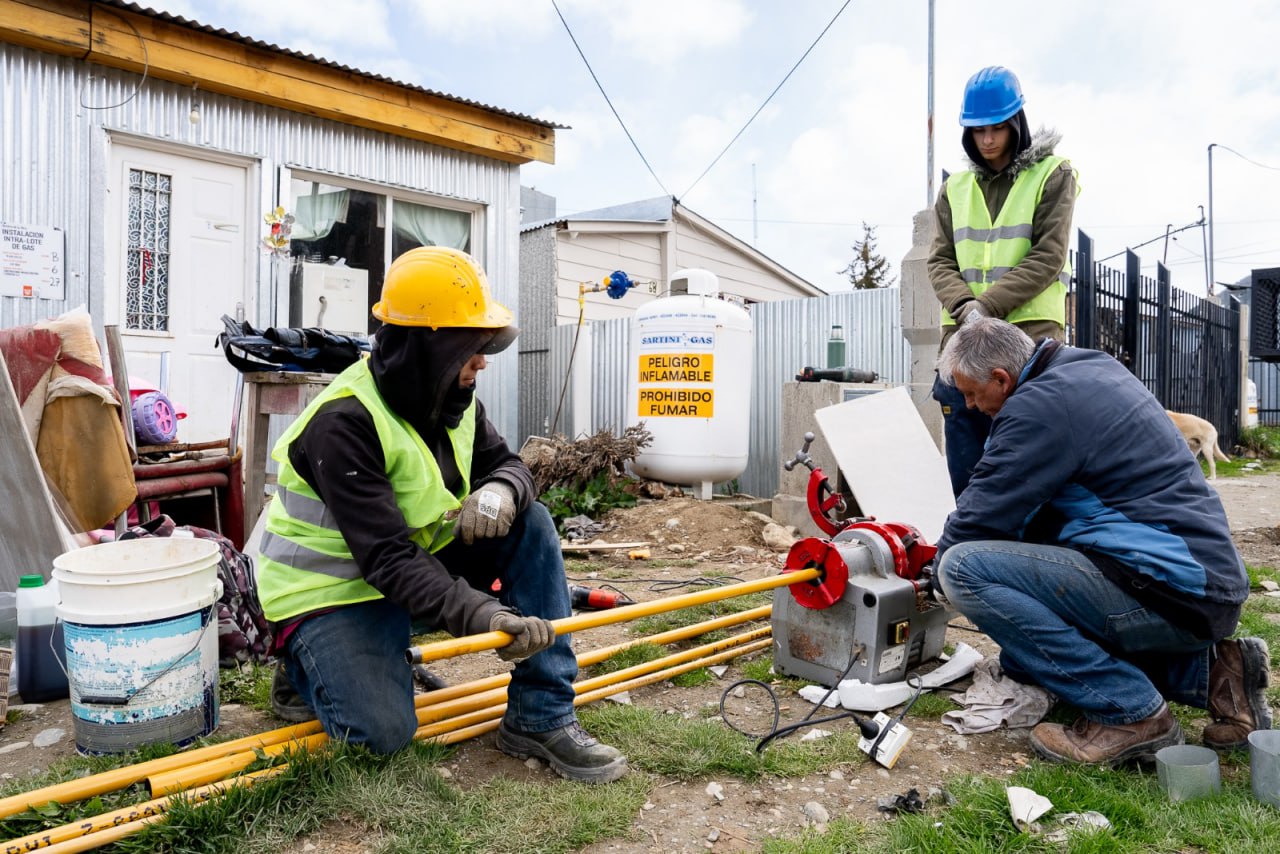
(778,538)
(739,692)
(836,774)
(445,773)
(673,523)
(719,669)
(622,698)
(309,846)
(744,550)
(533,764)
(714,835)
(648,805)
(716,791)
(760,517)
(816,813)
(17,745)
(676,547)
(49,737)
(815,734)
(1268,584)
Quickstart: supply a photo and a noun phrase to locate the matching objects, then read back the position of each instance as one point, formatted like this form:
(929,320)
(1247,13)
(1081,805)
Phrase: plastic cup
(1264,765)
(1187,772)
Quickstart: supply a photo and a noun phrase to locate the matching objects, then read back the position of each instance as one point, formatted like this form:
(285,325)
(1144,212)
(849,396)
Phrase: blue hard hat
(991,96)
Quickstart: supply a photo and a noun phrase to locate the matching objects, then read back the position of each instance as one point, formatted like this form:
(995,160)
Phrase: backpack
(243,631)
(288,349)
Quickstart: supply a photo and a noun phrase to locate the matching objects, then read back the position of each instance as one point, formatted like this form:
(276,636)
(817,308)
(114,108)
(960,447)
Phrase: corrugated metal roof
(318,60)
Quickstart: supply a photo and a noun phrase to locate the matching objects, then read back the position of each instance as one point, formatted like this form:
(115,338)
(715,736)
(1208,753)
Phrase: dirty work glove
(530,635)
(488,512)
(971,309)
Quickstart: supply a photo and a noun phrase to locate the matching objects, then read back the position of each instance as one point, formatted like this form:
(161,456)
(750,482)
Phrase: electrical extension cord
(886,746)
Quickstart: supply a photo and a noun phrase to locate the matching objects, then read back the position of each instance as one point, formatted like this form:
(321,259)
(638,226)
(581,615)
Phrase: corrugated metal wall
(57,114)
(789,335)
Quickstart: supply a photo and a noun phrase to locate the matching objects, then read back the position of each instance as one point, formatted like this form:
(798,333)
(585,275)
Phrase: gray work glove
(529,635)
(488,512)
(972,308)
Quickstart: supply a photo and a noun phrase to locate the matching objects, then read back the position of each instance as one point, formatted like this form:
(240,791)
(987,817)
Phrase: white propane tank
(691,384)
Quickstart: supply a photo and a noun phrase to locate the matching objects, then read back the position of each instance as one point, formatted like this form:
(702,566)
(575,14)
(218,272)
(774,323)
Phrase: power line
(1247,159)
(634,145)
(766,100)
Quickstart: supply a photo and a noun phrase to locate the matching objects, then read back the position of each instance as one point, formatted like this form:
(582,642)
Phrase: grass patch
(699,613)
(394,803)
(1259,574)
(843,835)
(761,670)
(1257,619)
(1241,467)
(1262,441)
(1142,817)
(931,705)
(667,564)
(248,684)
(693,678)
(629,657)
(685,749)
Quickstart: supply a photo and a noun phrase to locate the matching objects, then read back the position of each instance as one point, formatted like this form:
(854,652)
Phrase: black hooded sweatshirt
(339,455)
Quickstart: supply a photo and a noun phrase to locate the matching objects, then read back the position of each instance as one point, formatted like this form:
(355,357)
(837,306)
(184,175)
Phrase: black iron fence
(1185,348)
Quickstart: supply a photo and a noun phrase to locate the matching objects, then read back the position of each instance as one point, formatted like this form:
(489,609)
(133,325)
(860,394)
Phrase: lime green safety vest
(985,251)
(304,563)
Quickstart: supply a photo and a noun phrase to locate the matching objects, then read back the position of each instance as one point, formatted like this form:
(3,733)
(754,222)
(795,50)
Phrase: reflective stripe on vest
(304,563)
(985,251)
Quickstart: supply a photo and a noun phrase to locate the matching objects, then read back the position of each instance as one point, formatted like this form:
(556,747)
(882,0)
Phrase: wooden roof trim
(119,38)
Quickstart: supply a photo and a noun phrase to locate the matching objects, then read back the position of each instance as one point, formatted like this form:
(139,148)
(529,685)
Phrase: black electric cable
(868,727)
(662,585)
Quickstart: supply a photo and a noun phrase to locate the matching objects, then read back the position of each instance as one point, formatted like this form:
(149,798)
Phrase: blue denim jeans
(965,431)
(349,664)
(1062,624)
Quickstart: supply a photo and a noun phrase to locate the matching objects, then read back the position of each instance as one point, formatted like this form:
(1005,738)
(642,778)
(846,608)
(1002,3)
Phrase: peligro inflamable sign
(658,402)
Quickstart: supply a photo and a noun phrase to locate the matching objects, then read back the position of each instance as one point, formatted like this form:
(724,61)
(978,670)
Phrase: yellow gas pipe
(493,640)
(617,688)
(488,699)
(108,834)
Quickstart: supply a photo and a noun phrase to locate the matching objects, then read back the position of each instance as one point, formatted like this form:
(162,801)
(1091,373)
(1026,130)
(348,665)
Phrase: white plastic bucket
(141,628)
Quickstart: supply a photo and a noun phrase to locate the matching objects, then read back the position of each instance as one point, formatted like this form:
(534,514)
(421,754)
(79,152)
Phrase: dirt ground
(688,539)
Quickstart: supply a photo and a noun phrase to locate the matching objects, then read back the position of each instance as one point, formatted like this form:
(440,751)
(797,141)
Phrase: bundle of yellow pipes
(447,716)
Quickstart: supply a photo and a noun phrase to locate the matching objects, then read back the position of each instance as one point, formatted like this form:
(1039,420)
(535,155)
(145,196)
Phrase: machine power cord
(869,728)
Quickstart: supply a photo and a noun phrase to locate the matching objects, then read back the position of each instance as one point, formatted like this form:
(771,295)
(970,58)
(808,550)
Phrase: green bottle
(835,347)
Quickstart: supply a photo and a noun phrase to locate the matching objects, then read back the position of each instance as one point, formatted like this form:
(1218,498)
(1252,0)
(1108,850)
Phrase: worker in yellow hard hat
(400,503)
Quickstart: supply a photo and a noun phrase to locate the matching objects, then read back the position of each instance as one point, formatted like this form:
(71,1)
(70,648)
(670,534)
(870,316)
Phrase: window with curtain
(416,225)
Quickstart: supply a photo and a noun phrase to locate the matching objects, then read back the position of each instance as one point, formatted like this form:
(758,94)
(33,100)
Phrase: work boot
(286,702)
(1238,692)
(1091,743)
(570,750)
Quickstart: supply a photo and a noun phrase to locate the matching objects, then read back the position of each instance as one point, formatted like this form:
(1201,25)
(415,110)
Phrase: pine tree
(868,269)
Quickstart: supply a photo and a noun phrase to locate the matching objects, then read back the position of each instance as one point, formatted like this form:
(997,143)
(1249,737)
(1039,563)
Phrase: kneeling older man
(1089,546)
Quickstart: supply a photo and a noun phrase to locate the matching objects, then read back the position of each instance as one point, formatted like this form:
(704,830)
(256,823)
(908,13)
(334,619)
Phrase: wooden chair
(192,470)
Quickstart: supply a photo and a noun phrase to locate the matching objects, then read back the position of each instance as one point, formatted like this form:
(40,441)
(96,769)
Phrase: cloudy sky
(1138,88)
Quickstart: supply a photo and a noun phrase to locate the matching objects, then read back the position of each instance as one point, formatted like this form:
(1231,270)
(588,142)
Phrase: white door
(176,244)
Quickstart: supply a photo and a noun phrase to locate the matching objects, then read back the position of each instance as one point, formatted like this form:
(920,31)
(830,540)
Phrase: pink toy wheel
(154,419)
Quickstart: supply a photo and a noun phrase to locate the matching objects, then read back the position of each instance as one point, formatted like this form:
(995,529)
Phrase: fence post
(1086,292)
(1164,337)
(1132,312)
(1239,370)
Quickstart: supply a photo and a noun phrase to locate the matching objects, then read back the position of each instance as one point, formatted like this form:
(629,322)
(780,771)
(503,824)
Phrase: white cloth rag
(994,699)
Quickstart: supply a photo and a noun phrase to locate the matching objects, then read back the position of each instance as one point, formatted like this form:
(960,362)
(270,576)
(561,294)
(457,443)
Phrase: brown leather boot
(1090,743)
(1238,692)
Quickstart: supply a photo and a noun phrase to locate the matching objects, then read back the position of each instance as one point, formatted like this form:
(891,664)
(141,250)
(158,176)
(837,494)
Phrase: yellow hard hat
(438,286)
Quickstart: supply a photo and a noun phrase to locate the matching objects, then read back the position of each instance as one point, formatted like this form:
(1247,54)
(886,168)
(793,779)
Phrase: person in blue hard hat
(1001,234)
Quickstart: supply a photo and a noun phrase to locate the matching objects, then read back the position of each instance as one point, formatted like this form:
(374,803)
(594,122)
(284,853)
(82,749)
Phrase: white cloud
(665,31)
(337,30)
(463,21)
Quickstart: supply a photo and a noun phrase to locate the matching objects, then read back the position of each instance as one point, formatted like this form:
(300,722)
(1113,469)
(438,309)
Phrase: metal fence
(1185,348)
(788,335)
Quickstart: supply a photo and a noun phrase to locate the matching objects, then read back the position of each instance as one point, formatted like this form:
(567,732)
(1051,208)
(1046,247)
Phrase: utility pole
(1208,257)
(929,158)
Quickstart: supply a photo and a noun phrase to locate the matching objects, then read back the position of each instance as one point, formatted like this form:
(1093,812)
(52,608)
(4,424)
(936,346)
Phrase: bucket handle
(128,697)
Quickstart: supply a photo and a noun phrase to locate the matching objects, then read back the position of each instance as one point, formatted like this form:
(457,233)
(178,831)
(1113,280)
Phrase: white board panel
(889,461)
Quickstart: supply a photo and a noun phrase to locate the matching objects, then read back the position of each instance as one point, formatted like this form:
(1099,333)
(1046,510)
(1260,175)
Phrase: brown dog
(1202,438)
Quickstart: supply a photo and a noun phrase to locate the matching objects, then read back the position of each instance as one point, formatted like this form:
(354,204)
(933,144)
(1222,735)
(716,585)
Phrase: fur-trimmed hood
(1043,142)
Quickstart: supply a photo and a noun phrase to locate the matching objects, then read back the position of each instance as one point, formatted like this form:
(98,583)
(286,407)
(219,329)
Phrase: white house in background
(141,151)
(648,240)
